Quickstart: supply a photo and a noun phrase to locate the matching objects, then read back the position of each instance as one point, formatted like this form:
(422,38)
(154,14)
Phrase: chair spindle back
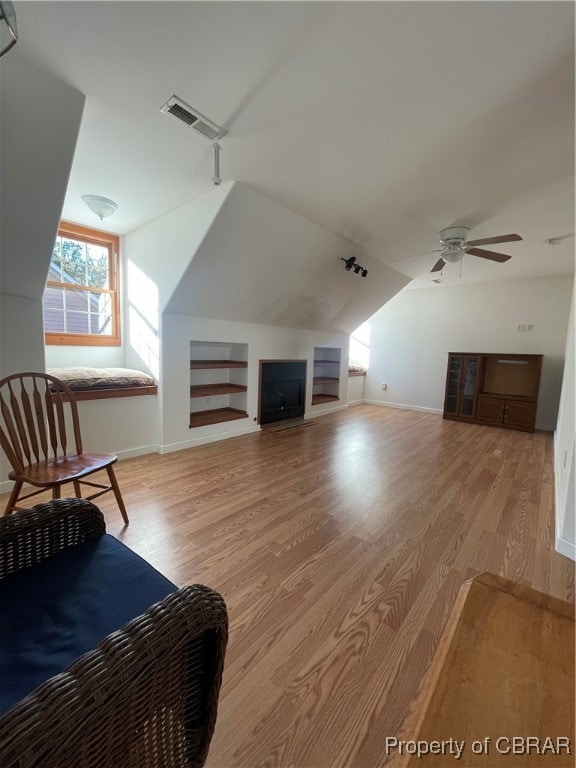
(33,419)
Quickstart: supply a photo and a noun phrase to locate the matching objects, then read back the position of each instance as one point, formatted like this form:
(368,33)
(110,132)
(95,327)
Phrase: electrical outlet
(521,328)
(530,327)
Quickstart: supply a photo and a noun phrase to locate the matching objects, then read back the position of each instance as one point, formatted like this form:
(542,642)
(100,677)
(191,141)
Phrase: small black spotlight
(349,263)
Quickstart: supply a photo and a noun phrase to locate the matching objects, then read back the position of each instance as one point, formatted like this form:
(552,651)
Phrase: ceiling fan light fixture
(101,206)
(452,254)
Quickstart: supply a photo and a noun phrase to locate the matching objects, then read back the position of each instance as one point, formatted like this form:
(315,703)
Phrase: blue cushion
(57,610)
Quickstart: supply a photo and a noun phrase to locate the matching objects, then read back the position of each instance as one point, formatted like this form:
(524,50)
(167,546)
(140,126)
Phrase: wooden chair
(40,435)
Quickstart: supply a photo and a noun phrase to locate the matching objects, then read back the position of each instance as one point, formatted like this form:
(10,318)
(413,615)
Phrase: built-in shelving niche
(218,382)
(326,376)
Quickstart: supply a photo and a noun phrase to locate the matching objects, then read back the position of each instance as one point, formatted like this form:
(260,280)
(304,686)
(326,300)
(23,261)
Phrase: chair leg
(77,489)
(56,491)
(13,497)
(116,489)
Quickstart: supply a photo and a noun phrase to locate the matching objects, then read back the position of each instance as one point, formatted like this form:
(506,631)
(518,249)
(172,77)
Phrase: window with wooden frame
(82,298)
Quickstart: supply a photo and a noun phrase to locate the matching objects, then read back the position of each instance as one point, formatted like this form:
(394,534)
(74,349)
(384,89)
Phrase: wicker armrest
(145,697)
(29,536)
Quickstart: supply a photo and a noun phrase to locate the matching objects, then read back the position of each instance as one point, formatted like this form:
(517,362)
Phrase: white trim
(563,546)
(544,427)
(355,402)
(323,411)
(6,486)
(130,453)
(404,406)
(209,438)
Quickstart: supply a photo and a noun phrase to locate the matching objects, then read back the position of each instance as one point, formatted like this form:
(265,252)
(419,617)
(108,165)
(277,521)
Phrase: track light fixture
(351,264)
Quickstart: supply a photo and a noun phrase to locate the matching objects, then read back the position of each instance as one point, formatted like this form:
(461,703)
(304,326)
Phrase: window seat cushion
(57,610)
(102,383)
(80,377)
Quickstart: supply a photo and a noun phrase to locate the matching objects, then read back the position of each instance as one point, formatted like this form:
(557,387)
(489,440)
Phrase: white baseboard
(565,547)
(561,545)
(318,411)
(6,486)
(544,427)
(131,453)
(209,438)
(404,406)
(355,402)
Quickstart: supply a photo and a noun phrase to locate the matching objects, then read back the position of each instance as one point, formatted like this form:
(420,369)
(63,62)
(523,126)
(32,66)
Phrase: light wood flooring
(339,550)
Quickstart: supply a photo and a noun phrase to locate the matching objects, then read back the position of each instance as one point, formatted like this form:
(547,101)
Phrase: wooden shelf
(325,379)
(500,396)
(317,399)
(213,390)
(206,364)
(326,387)
(215,416)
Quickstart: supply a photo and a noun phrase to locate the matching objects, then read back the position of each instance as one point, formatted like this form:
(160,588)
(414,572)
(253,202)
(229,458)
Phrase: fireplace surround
(282,385)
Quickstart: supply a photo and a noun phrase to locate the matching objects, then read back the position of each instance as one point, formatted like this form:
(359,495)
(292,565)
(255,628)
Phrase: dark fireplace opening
(282,390)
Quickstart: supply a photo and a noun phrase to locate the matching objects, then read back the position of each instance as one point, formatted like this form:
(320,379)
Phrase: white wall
(263,264)
(264,343)
(411,336)
(39,123)
(355,389)
(564,450)
(62,356)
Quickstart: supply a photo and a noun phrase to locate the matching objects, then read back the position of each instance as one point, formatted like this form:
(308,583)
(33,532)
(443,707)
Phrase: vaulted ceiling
(383,122)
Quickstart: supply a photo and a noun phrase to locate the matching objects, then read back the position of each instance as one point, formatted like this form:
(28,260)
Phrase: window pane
(77,322)
(77,301)
(53,298)
(97,266)
(73,261)
(54,321)
(84,262)
(55,272)
(101,314)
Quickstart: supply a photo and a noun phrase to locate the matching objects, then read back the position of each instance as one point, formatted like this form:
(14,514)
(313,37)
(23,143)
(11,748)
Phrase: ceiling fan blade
(494,240)
(492,255)
(438,266)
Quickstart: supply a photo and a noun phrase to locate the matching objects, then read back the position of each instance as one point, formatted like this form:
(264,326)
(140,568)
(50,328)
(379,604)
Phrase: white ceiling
(384,122)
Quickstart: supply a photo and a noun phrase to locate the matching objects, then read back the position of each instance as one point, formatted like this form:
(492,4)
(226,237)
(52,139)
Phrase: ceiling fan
(456,245)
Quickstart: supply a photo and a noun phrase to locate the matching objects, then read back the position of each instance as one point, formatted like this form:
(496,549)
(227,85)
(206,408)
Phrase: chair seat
(57,610)
(56,471)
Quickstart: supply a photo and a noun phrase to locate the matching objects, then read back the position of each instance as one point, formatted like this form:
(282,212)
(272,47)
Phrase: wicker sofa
(144,694)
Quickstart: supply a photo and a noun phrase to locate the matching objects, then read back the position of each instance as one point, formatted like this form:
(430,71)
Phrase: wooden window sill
(104,394)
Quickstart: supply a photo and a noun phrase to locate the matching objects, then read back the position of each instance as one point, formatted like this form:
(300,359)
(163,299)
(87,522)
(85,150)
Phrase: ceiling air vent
(192,118)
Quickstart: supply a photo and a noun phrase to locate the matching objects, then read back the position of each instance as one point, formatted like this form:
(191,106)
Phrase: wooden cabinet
(461,386)
(326,376)
(217,378)
(493,389)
